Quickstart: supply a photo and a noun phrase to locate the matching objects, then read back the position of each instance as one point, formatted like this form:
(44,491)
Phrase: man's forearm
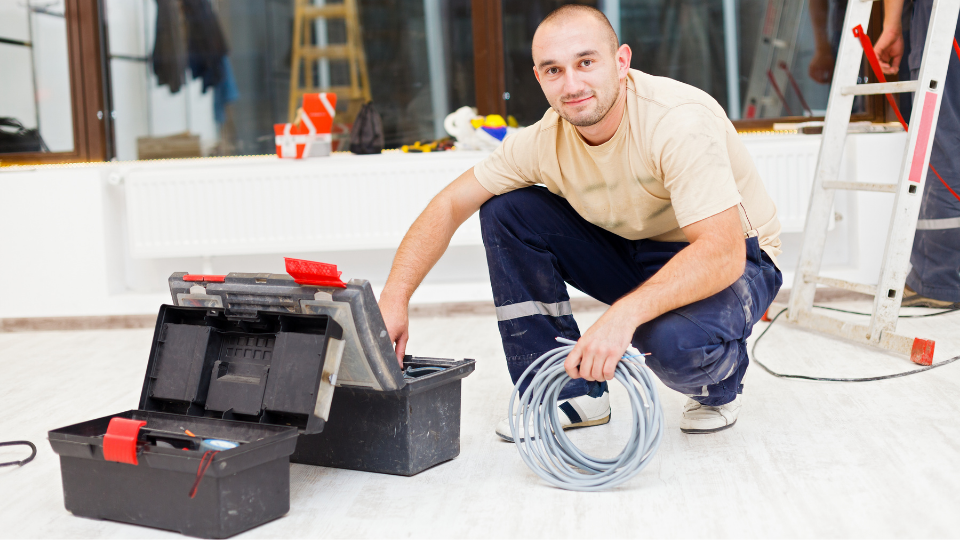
(704,268)
(892,16)
(818,20)
(422,247)
(430,234)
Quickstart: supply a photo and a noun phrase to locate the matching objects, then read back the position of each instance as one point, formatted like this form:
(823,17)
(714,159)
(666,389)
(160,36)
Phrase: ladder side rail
(789,28)
(295,60)
(916,161)
(763,58)
(836,121)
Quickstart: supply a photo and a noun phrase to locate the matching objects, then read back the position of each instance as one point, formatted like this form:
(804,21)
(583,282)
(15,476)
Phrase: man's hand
(889,49)
(597,352)
(821,66)
(397,320)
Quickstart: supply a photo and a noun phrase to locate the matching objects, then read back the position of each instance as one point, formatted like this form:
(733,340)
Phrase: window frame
(89,76)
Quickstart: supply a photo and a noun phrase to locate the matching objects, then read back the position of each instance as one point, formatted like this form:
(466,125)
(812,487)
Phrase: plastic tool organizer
(257,382)
(292,372)
(380,421)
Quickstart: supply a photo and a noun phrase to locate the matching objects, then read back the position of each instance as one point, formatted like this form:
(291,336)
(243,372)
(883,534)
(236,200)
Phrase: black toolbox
(207,380)
(295,370)
(382,419)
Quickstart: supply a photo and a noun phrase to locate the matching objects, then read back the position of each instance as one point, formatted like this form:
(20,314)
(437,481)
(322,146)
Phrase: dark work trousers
(535,242)
(935,260)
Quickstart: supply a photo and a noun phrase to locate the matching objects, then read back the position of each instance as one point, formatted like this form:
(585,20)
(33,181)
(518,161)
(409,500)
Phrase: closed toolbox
(382,419)
(254,384)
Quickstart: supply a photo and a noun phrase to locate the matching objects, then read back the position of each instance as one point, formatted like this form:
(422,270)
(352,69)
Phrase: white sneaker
(578,412)
(699,418)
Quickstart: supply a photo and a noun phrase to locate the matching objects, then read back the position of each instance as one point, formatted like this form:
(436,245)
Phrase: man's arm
(889,46)
(714,260)
(422,247)
(822,63)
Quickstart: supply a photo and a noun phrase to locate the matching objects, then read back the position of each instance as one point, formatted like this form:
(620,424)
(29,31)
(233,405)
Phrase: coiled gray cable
(545,447)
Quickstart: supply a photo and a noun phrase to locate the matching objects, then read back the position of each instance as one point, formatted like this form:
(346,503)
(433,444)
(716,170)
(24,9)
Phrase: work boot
(699,418)
(912,298)
(578,412)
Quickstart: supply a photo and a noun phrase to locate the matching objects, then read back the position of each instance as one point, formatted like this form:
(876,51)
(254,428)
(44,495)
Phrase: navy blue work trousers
(935,260)
(536,243)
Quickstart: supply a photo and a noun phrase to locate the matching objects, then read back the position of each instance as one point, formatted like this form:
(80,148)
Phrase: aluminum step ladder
(888,292)
(773,59)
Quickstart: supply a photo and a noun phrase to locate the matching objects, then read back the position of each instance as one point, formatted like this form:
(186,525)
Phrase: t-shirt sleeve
(513,164)
(689,148)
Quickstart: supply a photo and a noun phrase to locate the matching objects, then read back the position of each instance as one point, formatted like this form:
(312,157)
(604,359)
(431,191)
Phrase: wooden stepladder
(908,191)
(313,56)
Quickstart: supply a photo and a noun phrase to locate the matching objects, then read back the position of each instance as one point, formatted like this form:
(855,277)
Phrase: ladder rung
(330,11)
(330,51)
(841,284)
(879,88)
(342,92)
(861,186)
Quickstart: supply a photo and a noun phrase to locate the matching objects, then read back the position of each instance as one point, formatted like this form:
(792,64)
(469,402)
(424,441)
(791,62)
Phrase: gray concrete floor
(806,459)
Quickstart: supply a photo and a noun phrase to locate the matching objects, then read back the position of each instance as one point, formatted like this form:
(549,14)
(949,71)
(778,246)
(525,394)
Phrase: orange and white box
(310,136)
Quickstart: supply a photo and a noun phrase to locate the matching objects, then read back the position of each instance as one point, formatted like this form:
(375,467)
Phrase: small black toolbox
(256,383)
(382,419)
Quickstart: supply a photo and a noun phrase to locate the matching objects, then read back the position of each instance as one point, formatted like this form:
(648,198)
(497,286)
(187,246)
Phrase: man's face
(576,64)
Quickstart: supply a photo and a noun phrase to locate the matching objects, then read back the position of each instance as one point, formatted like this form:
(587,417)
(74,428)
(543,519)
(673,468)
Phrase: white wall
(63,249)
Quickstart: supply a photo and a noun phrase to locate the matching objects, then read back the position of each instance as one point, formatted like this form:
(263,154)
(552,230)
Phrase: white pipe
(435,61)
(320,27)
(732,54)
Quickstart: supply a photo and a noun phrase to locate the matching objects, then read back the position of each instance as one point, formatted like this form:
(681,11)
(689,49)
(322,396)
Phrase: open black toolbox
(301,372)
(382,419)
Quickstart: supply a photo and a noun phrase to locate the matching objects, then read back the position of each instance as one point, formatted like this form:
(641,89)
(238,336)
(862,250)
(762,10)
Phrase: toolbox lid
(275,368)
(369,359)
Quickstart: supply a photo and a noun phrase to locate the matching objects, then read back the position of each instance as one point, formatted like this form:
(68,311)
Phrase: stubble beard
(598,114)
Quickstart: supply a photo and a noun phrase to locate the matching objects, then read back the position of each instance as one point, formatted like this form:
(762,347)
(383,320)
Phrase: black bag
(15,138)
(366,136)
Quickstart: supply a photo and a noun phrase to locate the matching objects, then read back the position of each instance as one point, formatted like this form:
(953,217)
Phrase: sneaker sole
(714,430)
(597,422)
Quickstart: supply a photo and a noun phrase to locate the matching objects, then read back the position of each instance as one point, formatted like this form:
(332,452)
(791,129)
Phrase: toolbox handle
(120,441)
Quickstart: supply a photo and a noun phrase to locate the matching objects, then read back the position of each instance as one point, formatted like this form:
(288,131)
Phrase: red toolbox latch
(120,441)
(314,273)
(204,277)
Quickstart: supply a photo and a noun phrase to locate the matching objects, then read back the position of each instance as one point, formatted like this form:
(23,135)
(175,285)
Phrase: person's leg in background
(935,261)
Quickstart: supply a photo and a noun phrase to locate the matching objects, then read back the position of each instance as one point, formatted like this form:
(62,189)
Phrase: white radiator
(264,205)
(786,164)
(267,205)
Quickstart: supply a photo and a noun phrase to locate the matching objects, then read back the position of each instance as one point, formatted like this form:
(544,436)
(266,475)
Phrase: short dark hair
(574,10)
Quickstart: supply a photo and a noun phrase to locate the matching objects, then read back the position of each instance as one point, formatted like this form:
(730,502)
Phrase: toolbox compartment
(380,420)
(400,432)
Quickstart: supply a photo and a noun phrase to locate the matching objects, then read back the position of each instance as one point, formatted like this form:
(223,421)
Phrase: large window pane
(418,56)
(757,58)
(35,80)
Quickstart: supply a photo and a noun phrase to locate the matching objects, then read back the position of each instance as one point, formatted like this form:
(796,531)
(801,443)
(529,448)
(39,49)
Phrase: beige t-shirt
(675,159)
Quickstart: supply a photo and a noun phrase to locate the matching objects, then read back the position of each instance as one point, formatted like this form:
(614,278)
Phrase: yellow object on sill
(418,147)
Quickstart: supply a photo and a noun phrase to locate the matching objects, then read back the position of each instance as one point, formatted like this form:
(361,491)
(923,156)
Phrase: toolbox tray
(380,420)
